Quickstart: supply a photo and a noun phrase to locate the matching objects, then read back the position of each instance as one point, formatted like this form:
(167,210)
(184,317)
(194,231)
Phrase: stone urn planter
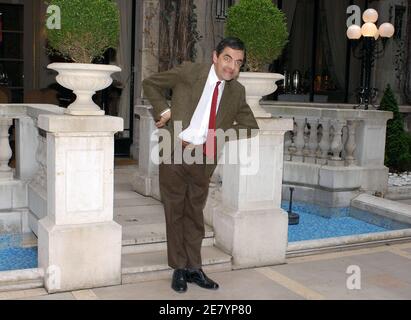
(84,79)
(257,85)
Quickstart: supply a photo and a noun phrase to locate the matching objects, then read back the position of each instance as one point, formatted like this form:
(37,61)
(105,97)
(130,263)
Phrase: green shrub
(398,141)
(88,29)
(262,27)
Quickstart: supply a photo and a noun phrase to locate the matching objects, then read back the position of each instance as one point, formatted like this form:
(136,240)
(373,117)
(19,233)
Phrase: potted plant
(263,29)
(88,29)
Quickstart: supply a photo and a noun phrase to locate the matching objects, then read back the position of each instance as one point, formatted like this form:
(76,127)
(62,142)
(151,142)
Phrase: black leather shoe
(199,277)
(179,282)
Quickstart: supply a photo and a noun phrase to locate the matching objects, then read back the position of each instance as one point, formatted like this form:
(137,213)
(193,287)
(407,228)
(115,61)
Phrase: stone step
(147,240)
(143,223)
(13,222)
(145,243)
(152,237)
(148,266)
(124,174)
(21,279)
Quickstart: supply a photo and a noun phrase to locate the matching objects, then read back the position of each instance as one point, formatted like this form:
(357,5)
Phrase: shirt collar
(212,77)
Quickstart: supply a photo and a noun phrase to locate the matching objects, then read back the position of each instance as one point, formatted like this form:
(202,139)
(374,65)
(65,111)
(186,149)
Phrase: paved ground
(372,273)
(406,201)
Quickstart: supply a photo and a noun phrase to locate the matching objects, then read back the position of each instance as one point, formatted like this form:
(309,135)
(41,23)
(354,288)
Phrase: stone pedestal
(249,222)
(370,142)
(79,243)
(145,180)
(79,256)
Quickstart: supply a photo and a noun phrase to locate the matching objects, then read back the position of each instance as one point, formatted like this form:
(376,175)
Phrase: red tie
(210,145)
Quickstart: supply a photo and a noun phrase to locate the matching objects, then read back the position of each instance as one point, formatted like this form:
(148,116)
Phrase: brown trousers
(184,189)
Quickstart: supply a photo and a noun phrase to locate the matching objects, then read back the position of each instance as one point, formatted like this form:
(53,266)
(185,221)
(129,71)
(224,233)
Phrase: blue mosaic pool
(315,223)
(13,256)
(319,222)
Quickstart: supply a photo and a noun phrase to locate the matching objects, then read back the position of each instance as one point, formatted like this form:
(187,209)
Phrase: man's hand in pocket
(163,120)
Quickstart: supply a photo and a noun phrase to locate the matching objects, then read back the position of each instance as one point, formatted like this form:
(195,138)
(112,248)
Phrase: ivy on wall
(178,33)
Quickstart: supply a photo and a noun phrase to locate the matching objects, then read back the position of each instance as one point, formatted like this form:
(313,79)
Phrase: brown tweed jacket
(187,82)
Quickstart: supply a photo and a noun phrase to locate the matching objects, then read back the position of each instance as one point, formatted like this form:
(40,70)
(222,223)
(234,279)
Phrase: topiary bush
(398,141)
(88,29)
(263,29)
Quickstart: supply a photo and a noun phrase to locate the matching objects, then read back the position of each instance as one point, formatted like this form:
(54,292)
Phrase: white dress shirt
(196,133)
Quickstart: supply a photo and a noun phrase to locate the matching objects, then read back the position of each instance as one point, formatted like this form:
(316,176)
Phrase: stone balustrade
(332,153)
(25,186)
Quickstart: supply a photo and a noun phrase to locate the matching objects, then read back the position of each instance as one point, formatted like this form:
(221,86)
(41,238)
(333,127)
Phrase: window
(11,51)
(221,8)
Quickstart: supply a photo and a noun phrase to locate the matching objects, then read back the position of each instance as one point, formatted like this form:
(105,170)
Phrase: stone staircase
(144,235)
(144,246)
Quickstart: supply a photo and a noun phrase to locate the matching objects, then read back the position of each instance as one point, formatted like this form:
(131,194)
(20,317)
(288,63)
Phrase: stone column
(249,222)
(145,180)
(299,142)
(79,244)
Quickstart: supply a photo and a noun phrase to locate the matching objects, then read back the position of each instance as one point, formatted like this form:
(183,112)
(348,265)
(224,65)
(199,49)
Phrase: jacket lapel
(198,86)
(197,90)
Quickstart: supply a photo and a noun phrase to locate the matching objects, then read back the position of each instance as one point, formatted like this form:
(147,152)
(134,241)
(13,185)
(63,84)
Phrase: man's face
(228,63)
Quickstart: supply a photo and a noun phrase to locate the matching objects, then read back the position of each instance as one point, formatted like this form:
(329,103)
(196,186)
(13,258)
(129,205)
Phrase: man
(204,99)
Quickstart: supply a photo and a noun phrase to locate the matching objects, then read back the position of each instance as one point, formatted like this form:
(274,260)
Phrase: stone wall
(395,51)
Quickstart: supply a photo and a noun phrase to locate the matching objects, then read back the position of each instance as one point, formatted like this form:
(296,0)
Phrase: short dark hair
(233,43)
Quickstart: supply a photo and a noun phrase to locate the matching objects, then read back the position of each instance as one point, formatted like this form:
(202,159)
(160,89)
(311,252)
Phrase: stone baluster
(299,140)
(306,151)
(337,145)
(6,173)
(293,134)
(344,138)
(312,145)
(350,145)
(287,144)
(42,160)
(324,146)
(40,178)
